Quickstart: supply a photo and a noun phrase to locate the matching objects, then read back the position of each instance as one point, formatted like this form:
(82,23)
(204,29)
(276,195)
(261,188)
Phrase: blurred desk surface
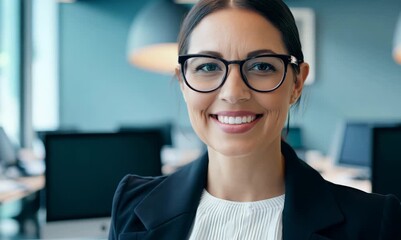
(340,175)
(21,187)
(328,170)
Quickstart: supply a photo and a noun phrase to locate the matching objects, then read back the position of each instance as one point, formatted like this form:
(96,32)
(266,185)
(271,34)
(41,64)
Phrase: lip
(236,128)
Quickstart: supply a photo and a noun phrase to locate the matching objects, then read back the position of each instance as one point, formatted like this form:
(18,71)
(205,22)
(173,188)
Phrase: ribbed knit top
(222,219)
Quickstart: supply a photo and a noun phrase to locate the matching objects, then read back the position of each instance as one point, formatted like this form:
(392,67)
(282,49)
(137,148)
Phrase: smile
(236,120)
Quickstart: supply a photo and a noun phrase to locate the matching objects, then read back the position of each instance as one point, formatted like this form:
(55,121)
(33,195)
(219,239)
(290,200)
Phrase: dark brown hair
(275,11)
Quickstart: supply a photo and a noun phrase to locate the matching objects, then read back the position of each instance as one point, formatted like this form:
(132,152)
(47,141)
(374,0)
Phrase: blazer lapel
(309,205)
(168,211)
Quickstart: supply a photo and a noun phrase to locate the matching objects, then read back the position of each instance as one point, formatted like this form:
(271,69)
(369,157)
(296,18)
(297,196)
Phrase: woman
(240,70)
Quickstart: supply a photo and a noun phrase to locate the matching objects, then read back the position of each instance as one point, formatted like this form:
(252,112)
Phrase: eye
(262,66)
(208,67)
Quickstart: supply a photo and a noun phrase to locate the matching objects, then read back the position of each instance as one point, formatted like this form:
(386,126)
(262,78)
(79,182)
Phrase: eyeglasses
(263,73)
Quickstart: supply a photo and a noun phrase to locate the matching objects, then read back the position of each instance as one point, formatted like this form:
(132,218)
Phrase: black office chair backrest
(386,161)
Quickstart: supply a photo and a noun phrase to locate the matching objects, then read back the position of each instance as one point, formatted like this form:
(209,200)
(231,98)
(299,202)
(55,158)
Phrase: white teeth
(249,119)
(235,120)
(238,120)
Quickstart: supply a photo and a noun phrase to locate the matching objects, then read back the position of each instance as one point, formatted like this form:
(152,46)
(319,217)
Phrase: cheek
(277,102)
(197,105)
(275,120)
(276,106)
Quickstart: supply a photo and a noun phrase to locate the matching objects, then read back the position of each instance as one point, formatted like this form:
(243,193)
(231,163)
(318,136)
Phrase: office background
(85,81)
(356,76)
(74,72)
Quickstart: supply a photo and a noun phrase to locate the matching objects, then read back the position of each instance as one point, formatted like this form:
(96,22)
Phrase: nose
(234,89)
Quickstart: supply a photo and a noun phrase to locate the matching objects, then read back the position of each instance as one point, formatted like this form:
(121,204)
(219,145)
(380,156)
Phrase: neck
(248,178)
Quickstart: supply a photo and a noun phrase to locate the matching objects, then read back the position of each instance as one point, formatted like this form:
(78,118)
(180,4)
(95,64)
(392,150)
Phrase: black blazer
(165,207)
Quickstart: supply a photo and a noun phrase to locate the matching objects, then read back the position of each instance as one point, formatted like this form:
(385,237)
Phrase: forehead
(235,32)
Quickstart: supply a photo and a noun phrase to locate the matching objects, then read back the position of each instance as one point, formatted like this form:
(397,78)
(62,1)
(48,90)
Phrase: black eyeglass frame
(287,59)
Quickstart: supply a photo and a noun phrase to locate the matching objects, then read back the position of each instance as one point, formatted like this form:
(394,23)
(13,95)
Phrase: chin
(234,150)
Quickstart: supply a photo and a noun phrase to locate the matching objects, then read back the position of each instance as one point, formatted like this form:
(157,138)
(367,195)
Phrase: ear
(300,81)
(180,80)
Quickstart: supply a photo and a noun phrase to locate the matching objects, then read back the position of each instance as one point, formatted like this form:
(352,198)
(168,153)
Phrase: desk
(27,191)
(339,175)
(29,185)
(176,158)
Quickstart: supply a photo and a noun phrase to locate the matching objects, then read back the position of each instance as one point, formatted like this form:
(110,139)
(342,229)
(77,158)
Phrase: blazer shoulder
(348,195)
(133,188)
(129,193)
(370,210)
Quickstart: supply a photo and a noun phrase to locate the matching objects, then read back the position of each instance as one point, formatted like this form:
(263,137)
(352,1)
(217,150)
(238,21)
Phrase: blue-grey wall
(99,89)
(356,77)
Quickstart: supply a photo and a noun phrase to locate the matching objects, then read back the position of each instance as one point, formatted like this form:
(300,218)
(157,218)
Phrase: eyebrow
(212,53)
(259,52)
(250,54)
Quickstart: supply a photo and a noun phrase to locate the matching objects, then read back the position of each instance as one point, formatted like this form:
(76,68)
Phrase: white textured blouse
(222,219)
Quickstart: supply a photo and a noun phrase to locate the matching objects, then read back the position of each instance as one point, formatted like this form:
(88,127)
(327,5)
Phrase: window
(10,68)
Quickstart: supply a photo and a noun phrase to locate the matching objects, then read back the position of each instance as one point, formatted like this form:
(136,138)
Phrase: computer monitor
(82,173)
(164,128)
(355,146)
(41,134)
(8,152)
(386,161)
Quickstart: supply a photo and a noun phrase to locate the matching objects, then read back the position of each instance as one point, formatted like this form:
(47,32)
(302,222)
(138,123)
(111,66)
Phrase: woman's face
(233,34)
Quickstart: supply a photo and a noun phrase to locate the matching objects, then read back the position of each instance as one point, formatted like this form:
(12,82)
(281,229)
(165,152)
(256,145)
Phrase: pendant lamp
(397,42)
(152,41)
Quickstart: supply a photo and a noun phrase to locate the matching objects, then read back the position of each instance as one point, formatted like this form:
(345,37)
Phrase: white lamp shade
(397,42)
(152,40)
